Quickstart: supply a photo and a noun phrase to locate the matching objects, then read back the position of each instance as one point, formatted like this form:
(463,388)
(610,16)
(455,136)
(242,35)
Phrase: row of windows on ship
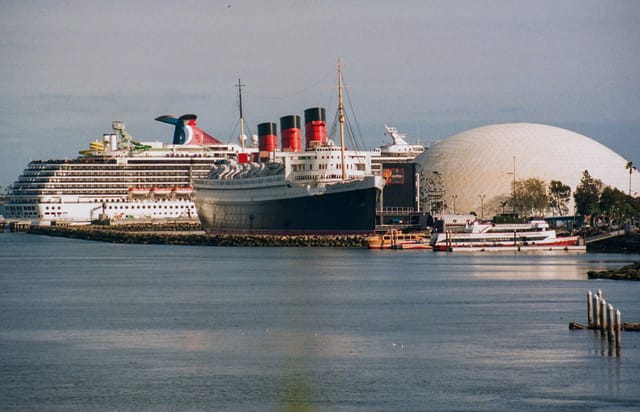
(31,211)
(133,206)
(119,170)
(115,173)
(323,176)
(104,192)
(97,183)
(88,163)
(118,174)
(324,166)
(37,200)
(498,239)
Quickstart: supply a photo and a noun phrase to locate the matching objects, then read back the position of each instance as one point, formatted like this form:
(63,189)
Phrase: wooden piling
(603,316)
(610,324)
(589,308)
(596,305)
(618,335)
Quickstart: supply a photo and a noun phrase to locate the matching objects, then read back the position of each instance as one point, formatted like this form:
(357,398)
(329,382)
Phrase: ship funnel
(267,138)
(291,133)
(315,126)
(187,131)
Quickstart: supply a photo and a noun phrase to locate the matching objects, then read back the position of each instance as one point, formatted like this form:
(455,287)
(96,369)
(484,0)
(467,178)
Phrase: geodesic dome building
(477,167)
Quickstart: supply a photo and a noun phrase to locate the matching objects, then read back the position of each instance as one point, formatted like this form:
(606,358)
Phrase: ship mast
(341,120)
(242,136)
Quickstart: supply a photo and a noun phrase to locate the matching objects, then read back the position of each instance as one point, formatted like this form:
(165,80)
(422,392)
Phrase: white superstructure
(487,236)
(117,178)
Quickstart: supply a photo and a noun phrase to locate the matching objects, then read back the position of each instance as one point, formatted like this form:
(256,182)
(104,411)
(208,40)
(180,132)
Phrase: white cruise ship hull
(81,211)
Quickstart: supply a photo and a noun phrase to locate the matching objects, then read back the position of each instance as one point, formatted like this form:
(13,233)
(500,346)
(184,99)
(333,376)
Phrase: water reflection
(149,327)
(531,266)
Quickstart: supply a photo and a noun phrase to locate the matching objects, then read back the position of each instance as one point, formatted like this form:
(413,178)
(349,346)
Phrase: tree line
(605,204)
(534,197)
(592,199)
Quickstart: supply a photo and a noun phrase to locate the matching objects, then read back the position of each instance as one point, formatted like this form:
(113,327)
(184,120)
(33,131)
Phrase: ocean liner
(322,188)
(119,178)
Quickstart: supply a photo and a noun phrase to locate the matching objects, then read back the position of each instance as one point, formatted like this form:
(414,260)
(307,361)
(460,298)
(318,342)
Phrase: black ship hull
(337,210)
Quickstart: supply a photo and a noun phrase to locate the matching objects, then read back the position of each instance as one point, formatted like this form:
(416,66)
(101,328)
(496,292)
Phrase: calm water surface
(96,326)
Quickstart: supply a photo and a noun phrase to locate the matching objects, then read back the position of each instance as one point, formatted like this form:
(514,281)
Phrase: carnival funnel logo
(187,130)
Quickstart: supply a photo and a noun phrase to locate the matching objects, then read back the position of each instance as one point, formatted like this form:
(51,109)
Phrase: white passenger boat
(487,236)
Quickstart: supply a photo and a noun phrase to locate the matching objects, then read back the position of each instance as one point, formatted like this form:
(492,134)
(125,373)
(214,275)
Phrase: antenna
(240,86)
(242,137)
(341,119)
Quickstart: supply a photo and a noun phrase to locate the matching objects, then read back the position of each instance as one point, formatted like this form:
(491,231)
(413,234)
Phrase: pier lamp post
(482,196)
(454,197)
(513,187)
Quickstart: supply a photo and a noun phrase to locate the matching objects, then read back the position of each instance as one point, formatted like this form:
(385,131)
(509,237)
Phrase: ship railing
(396,211)
(242,181)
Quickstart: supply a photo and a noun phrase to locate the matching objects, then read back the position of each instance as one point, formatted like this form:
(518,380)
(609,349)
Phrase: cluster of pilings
(603,318)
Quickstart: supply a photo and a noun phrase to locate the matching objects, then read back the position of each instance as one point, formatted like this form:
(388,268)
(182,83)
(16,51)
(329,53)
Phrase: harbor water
(97,326)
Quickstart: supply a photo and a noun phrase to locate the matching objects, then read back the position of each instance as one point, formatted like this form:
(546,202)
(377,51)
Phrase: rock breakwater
(628,272)
(157,234)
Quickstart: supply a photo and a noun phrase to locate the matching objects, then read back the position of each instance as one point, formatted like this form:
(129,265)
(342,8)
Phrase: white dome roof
(481,161)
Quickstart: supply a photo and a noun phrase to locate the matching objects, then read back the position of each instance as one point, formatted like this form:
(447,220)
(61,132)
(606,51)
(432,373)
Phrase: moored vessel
(120,179)
(397,239)
(322,188)
(486,236)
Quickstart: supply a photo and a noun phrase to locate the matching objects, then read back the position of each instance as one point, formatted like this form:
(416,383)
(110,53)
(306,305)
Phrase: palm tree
(631,167)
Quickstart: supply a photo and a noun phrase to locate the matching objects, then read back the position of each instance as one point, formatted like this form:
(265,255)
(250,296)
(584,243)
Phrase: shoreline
(190,233)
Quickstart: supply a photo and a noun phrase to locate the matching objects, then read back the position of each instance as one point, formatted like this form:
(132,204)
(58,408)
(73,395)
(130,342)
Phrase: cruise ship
(118,178)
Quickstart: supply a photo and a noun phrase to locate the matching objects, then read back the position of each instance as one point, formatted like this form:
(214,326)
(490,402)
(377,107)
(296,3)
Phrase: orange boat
(396,239)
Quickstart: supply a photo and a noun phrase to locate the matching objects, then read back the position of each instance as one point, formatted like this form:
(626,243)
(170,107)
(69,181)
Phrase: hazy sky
(431,68)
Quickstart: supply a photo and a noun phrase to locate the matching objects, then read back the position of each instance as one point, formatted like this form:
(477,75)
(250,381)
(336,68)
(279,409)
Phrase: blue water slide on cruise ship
(187,130)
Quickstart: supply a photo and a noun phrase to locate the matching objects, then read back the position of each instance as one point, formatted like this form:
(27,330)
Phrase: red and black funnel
(315,126)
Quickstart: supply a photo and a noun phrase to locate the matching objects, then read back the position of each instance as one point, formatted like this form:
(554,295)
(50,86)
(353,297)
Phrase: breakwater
(189,234)
(628,272)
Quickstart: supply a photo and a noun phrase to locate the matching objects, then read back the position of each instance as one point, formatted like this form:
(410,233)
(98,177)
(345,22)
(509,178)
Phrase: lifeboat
(182,190)
(160,191)
(138,191)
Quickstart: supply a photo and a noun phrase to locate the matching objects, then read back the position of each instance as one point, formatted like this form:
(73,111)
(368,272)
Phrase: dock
(18,225)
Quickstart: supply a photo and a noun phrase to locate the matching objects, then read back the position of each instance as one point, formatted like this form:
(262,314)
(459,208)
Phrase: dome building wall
(482,161)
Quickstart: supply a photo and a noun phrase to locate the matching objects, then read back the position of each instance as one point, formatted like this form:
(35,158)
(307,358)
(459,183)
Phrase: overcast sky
(431,68)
